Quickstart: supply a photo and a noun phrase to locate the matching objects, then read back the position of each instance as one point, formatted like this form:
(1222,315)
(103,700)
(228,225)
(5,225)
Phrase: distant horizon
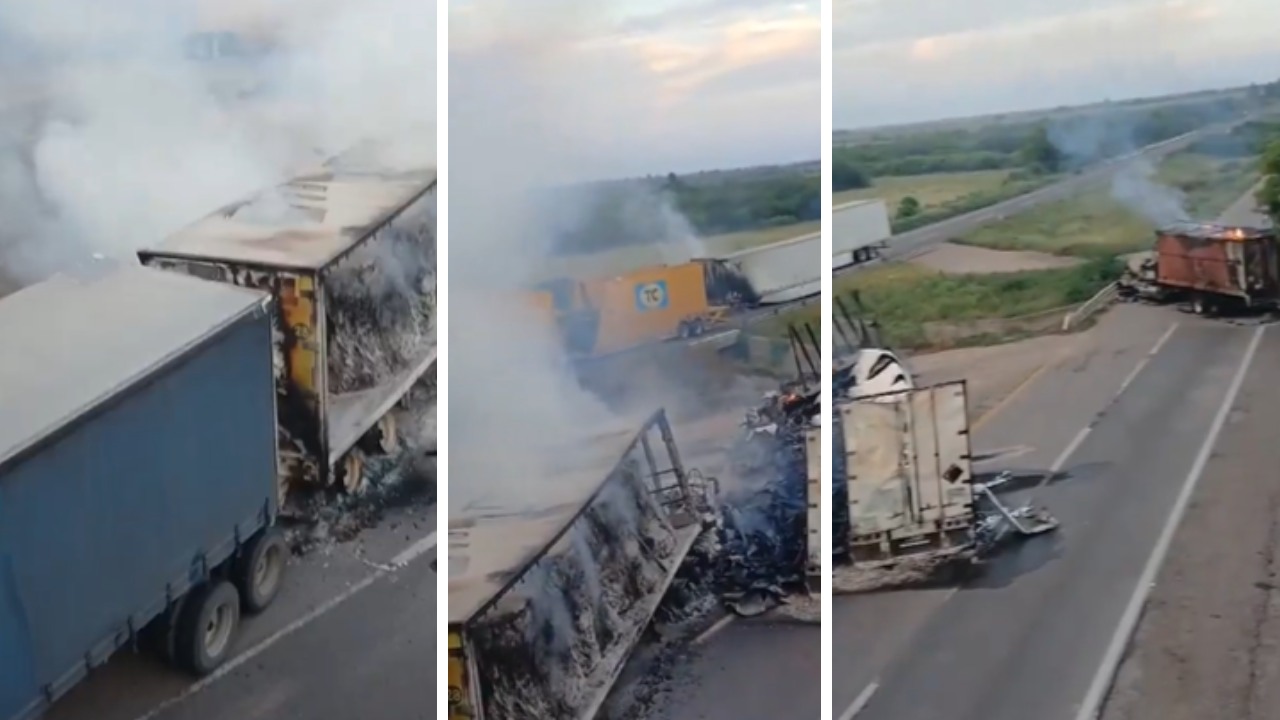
(1054,108)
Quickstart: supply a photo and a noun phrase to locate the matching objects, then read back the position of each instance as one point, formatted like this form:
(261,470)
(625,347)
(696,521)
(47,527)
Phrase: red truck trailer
(1214,267)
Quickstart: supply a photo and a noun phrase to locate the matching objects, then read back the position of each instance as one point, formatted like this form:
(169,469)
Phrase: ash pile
(381,303)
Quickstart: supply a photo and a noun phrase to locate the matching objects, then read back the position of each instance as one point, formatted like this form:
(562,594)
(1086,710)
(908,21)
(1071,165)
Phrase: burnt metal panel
(129,507)
(1238,262)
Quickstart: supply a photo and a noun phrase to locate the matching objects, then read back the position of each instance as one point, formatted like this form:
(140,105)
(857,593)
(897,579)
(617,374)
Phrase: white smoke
(120,139)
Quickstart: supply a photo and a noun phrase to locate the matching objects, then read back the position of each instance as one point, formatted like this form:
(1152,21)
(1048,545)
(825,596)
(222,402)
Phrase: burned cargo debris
(905,480)
(381,302)
(762,529)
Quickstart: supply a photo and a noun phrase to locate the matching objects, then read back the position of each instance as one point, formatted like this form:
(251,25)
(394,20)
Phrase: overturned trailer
(546,605)
(348,251)
(904,472)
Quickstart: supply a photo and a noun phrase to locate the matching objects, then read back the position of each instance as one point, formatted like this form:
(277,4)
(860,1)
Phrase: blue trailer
(137,474)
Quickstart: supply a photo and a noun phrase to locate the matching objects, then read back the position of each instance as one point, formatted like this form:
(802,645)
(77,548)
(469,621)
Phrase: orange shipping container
(647,305)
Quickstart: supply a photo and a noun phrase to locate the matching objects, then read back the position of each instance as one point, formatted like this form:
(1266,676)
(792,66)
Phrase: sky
(898,61)
(651,86)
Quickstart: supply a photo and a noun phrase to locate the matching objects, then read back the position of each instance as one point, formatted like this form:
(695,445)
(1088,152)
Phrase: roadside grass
(903,297)
(946,195)
(733,242)
(1094,225)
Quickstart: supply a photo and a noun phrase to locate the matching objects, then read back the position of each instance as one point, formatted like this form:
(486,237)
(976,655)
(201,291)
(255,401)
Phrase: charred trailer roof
(1212,231)
(546,602)
(348,250)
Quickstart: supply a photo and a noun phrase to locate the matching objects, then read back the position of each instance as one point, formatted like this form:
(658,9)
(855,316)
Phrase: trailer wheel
(351,472)
(204,631)
(259,569)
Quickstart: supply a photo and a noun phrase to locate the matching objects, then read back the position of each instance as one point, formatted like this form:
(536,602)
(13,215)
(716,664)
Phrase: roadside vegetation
(907,298)
(1095,225)
(930,176)
(739,208)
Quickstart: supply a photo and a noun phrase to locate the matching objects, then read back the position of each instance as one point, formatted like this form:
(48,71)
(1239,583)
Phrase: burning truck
(1212,268)
(348,253)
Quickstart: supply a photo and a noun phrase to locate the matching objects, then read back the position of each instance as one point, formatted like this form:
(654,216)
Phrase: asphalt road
(1026,435)
(352,637)
(1027,639)
(750,670)
(910,243)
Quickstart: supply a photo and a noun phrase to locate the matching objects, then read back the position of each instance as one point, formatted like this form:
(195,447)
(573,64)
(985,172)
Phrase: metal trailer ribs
(546,605)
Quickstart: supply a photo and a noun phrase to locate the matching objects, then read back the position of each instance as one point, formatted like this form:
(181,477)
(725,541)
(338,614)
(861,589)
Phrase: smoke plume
(119,138)
(515,132)
(1088,139)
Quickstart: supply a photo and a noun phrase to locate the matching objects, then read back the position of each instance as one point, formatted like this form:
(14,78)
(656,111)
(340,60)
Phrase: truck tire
(210,616)
(258,572)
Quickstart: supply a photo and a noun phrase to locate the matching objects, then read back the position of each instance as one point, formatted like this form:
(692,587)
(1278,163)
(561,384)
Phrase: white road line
(1102,680)
(1146,359)
(1071,448)
(861,701)
(397,563)
(412,552)
(716,627)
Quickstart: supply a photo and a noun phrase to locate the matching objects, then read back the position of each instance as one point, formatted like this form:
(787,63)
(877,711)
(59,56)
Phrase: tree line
(672,208)
(1059,144)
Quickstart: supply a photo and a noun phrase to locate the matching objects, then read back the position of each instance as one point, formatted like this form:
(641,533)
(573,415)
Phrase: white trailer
(859,232)
(783,271)
(909,475)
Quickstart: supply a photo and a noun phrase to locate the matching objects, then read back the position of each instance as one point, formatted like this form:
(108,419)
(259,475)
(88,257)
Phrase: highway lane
(908,244)
(1027,435)
(1027,639)
(750,670)
(352,637)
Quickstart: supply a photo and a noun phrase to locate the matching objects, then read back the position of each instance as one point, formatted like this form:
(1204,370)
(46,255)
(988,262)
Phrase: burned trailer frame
(1216,264)
(337,229)
(546,605)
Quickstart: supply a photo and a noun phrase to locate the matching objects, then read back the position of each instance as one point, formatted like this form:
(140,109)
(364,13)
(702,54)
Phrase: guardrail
(1100,299)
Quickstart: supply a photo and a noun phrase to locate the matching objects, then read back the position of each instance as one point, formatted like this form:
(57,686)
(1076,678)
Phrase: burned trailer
(904,467)
(546,603)
(348,251)
(1214,267)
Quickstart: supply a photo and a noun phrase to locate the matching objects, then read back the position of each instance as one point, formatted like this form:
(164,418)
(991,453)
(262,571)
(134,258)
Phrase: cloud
(654,91)
(934,59)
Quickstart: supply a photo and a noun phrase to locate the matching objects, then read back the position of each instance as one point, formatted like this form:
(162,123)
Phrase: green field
(732,242)
(933,191)
(945,195)
(903,297)
(1095,225)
